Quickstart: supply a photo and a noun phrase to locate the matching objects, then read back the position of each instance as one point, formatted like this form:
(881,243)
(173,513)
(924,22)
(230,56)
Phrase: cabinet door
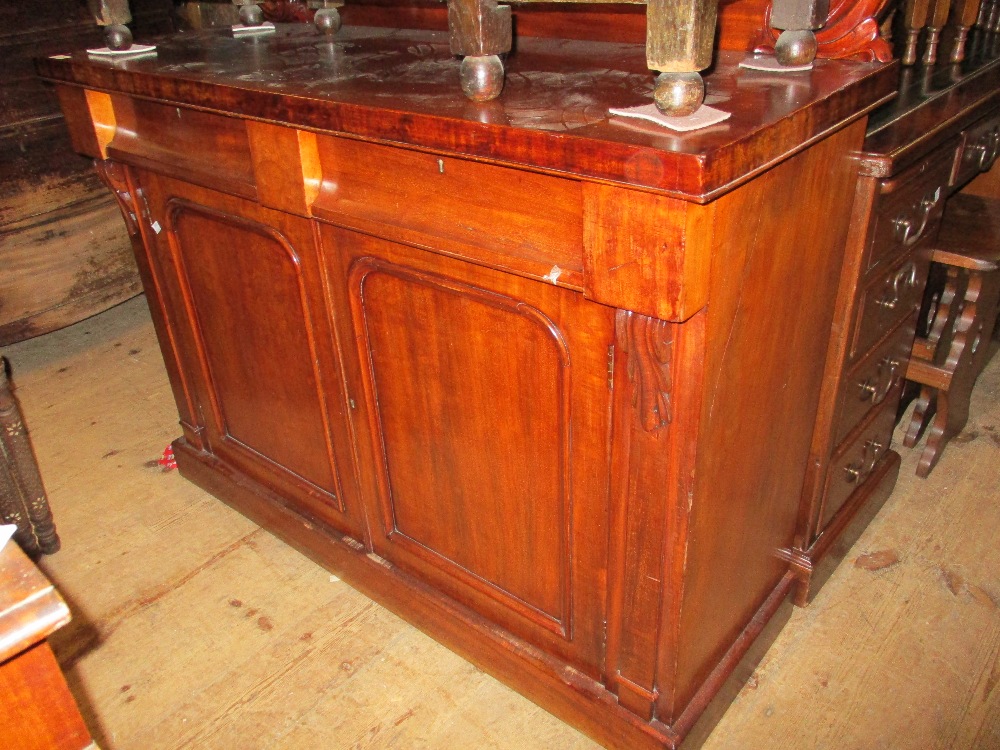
(256,341)
(482,414)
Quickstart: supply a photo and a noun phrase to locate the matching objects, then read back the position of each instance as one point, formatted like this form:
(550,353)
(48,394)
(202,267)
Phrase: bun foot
(796,47)
(251,15)
(482,77)
(679,94)
(118,37)
(327,20)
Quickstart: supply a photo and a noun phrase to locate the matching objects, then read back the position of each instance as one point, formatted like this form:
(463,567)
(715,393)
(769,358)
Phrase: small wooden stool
(957,347)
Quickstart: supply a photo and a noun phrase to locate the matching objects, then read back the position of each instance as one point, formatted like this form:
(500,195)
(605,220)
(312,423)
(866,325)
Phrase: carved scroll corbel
(112,175)
(648,343)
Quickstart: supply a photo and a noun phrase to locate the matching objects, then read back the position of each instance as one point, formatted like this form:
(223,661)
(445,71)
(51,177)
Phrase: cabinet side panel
(781,245)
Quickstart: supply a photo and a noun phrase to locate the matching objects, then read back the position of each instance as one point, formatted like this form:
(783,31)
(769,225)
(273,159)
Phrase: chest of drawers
(918,151)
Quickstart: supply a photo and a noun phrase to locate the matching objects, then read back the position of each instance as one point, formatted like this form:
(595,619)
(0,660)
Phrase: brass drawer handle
(903,281)
(985,151)
(874,450)
(909,230)
(878,387)
(870,454)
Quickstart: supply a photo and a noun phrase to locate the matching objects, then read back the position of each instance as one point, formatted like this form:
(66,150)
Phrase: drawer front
(174,140)
(891,297)
(908,209)
(498,216)
(876,379)
(855,461)
(979,151)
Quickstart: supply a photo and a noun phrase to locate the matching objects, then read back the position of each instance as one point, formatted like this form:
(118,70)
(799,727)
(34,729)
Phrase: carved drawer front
(856,460)
(892,296)
(979,151)
(908,209)
(873,381)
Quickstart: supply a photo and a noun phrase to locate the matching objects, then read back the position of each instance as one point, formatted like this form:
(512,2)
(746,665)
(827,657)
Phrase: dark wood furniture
(542,382)
(920,149)
(37,710)
(23,501)
(956,348)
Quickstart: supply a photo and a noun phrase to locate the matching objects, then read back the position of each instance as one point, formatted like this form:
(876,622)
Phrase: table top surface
(30,607)
(933,105)
(401,86)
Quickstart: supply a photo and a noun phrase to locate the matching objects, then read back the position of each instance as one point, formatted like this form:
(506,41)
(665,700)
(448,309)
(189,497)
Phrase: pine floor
(194,628)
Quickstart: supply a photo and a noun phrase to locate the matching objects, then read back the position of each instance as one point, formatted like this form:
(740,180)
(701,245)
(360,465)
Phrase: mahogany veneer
(541,381)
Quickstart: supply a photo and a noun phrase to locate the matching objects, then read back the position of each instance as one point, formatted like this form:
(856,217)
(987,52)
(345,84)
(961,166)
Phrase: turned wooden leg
(480,32)
(984,14)
(936,19)
(22,496)
(914,18)
(963,16)
(931,48)
(993,20)
(679,38)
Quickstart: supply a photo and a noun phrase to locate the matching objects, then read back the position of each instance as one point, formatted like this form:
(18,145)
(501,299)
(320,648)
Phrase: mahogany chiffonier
(941,132)
(543,381)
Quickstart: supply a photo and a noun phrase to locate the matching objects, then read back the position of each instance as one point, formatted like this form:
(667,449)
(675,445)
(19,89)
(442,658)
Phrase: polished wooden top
(401,86)
(30,607)
(934,104)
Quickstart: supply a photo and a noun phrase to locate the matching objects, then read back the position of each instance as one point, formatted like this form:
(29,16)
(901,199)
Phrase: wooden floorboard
(193,628)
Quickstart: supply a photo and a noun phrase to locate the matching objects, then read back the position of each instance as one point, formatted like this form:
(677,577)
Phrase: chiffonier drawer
(854,462)
(979,151)
(875,379)
(500,216)
(888,299)
(174,141)
(908,208)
